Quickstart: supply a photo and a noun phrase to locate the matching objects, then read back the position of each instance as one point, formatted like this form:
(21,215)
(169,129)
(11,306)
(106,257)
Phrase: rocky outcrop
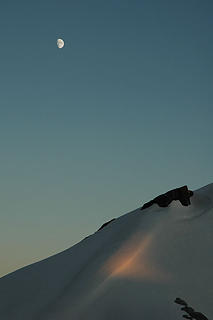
(105,224)
(192,314)
(182,194)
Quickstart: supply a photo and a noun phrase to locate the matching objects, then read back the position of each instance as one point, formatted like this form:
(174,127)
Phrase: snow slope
(134,268)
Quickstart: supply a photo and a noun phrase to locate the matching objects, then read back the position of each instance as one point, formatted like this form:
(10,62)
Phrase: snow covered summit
(134,268)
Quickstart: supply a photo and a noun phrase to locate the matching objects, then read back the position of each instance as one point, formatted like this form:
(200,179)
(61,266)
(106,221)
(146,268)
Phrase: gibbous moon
(60,43)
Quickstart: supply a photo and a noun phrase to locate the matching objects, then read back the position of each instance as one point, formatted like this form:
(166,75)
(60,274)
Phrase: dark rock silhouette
(192,314)
(181,302)
(105,224)
(195,315)
(189,310)
(199,316)
(182,194)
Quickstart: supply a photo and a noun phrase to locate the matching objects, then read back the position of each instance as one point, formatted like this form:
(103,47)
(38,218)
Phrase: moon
(60,43)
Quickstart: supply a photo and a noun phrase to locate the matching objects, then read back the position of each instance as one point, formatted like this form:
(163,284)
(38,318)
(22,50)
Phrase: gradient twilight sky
(89,132)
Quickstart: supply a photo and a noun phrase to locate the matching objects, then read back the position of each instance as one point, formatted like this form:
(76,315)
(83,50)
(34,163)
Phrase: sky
(89,132)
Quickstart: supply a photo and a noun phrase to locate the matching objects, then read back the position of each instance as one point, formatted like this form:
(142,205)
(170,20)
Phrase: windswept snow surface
(134,268)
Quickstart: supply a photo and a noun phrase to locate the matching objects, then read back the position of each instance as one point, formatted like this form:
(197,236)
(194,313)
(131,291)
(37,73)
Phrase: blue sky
(119,115)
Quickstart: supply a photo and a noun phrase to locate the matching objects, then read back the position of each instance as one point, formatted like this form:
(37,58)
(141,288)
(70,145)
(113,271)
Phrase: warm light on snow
(132,261)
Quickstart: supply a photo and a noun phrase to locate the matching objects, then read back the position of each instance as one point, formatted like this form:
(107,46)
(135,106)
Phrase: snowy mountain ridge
(135,267)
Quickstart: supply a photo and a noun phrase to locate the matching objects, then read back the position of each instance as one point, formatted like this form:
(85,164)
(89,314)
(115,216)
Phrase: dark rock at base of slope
(193,314)
(199,316)
(181,302)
